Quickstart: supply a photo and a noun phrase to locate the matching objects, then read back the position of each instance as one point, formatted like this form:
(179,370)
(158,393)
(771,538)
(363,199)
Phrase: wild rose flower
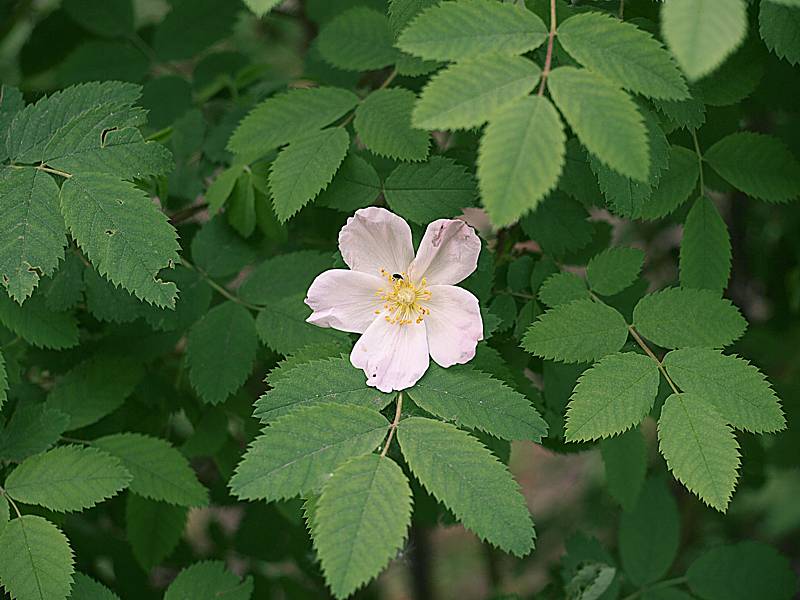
(407,308)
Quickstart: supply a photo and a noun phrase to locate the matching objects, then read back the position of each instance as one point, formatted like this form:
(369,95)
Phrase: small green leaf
(738,390)
(705,260)
(679,318)
(580,331)
(604,118)
(358,39)
(520,158)
(677,183)
(474,399)
(383,123)
(33,428)
(86,588)
(614,269)
(625,460)
(355,185)
(3,381)
(153,529)
(468,93)
(261,7)
(472,28)
(461,473)
(700,448)
(778,26)
(209,579)
(562,288)
(67,478)
(298,452)
(304,168)
(360,521)
(559,225)
(611,397)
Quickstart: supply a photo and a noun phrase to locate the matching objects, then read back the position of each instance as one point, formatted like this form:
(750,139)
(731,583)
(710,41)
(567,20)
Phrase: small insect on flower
(406,307)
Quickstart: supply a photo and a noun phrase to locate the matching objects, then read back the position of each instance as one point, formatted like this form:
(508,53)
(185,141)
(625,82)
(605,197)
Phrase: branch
(551,37)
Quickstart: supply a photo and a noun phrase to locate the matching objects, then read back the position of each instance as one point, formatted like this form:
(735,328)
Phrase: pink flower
(406,307)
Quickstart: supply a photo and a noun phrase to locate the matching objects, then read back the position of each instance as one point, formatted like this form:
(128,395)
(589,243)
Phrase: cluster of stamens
(402,299)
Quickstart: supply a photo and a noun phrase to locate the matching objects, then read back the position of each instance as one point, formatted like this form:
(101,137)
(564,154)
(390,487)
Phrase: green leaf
(11,103)
(222,187)
(32,227)
(383,124)
(677,183)
(520,158)
(580,331)
(738,390)
(220,351)
(677,318)
(358,39)
(360,521)
(737,78)
(470,29)
(67,478)
(778,26)
(209,579)
(562,288)
(474,399)
(282,326)
(4,514)
(355,185)
(611,397)
(591,581)
(122,232)
(297,453)
(559,225)
(35,560)
(284,276)
(623,53)
(111,19)
(37,324)
(319,381)
(614,269)
(211,21)
(702,33)
(304,168)
(219,251)
(95,388)
(3,381)
(625,460)
(153,529)
(261,7)
(604,118)
(700,448)
(468,93)
(424,192)
(461,473)
(32,428)
(159,471)
(742,571)
(287,117)
(86,588)
(705,259)
(759,165)
(649,534)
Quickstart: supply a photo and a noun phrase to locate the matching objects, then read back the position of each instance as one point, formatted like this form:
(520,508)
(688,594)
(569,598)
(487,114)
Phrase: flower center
(402,299)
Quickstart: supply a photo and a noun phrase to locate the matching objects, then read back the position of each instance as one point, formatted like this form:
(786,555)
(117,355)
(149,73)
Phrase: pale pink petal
(454,325)
(345,300)
(393,356)
(447,254)
(375,239)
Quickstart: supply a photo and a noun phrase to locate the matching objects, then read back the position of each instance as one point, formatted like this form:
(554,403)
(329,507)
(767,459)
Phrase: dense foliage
(173,177)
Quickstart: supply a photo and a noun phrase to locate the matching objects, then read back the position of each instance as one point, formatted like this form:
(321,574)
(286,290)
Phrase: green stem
(550,39)
(11,502)
(699,161)
(397,411)
(224,292)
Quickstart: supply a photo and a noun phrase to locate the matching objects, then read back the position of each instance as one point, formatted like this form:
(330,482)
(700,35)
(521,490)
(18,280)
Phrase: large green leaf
(383,124)
(676,185)
(123,233)
(469,93)
(562,288)
(702,33)
(209,579)
(289,116)
(625,54)
(580,331)
(604,118)
(220,351)
(67,478)
(153,529)
(35,560)
(738,390)
(297,452)
(32,228)
(358,39)
(360,521)
(474,399)
(37,324)
(315,382)
(760,165)
(700,448)
(520,159)
(612,396)
(304,168)
(778,26)
(159,471)
(461,473)
(705,259)
(32,428)
(678,318)
(282,325)
(472,28)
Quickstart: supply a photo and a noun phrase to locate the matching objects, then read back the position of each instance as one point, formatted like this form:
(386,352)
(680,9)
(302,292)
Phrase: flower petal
(345,300)
(447,254)
(375,239)
(393,356)
(454,325)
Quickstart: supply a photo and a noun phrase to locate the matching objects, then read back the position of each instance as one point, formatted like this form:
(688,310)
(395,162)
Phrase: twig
(649,353)
(227,294)
(54,171)
(551,37)
(393,426)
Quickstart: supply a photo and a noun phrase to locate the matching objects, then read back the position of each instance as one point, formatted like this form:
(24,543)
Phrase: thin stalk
(11,502)
(650,353)
(551,38)
(699,161)
(224,292)
(393,426)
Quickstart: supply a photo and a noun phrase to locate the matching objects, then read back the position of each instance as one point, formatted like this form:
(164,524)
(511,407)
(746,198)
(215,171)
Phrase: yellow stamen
(403,299)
